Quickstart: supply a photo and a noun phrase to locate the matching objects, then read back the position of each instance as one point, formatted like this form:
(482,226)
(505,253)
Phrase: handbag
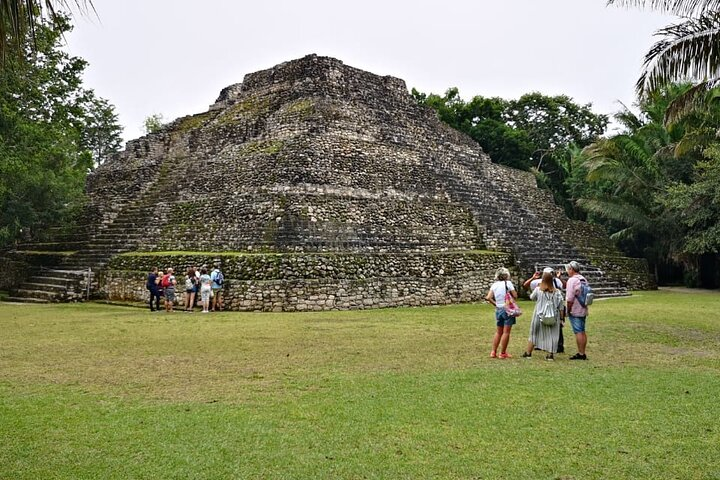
(511,306)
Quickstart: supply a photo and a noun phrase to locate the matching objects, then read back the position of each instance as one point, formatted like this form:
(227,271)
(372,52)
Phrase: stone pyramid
(320,186)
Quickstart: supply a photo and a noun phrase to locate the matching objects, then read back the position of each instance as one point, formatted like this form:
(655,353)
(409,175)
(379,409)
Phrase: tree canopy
(52,132)
(535,132)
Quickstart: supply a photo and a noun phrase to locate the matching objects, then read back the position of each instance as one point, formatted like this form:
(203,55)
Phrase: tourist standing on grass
(533,282)
(546,318)
(152,286)
(503,321)
(169,281)
(576,312)
(158,282)
(205,289)
(197,285)
(191,283)
(218,279)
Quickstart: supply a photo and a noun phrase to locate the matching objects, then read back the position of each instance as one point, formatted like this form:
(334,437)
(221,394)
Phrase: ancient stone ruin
(316,186)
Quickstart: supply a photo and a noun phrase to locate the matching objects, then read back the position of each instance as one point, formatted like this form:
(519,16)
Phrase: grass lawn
(94,391)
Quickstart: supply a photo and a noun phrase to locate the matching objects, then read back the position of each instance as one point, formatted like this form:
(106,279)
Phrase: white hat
(547,270)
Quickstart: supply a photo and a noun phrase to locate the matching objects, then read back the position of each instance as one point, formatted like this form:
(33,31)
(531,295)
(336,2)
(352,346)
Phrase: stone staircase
(74,277)
(535,238)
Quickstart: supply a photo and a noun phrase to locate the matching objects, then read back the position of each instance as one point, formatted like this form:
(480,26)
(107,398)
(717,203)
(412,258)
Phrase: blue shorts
(578,324)
(502,319)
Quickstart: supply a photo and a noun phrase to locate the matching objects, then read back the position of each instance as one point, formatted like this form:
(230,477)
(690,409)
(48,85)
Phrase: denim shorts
(578,324)
(502,319)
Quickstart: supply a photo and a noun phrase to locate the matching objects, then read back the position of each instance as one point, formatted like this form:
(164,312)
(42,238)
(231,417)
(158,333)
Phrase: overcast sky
(173,58)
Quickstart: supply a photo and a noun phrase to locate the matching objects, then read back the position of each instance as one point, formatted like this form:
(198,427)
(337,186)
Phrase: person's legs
(496,340)
(505,339)
(529,349)
(152,297)
(581,339)
(578,326)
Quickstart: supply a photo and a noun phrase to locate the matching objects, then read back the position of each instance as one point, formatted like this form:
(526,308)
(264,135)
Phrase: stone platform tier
(316,157)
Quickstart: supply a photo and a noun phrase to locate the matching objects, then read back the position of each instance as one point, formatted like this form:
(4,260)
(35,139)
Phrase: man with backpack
(218,280)
(578,297)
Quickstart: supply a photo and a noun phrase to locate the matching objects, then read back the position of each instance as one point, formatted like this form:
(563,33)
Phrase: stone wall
(290,282)
(14,272)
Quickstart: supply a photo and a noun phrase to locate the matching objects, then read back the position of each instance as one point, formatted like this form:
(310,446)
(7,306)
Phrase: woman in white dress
(545,324)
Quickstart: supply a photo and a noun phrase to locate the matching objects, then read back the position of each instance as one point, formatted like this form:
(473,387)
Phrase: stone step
(42,286)
(70,274)
(52,246)
(26,300)
(36,294)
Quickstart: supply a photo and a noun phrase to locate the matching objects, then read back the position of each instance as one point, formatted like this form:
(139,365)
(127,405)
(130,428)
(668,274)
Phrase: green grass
(91,391)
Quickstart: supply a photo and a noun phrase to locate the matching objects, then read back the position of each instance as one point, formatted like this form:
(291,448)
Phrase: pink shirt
(573,289)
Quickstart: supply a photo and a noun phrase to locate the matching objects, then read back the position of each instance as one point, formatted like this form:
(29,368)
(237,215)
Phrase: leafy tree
(556,126)
(535,132)
(630,180)
(696,205)
(52,131)
(154,123)
(20,19)
(483,120)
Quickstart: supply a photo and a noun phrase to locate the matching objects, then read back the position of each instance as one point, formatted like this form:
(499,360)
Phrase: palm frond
(628,233)
(687,50)
(628,119)
(19,18)
(682,8)
(691,101)
(624,213)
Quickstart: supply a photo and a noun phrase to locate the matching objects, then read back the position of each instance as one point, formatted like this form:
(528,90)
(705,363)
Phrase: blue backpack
(585,297)
(219,278)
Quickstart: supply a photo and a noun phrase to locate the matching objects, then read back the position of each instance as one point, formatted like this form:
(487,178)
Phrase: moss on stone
(251,107)
(303,107)
(193,122)
(261,147)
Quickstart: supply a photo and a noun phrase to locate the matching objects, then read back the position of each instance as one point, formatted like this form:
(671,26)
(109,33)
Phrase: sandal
(493,354)
(505,355)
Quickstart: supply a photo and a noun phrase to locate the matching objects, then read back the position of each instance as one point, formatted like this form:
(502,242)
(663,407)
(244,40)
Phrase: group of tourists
(209,286)
(551,309)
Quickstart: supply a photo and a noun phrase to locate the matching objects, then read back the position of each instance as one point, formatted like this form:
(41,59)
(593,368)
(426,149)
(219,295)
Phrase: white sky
(173,57)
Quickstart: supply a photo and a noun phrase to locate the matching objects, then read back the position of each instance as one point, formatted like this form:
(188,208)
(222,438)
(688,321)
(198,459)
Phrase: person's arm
(490,297)
(526,283)
(558,276)
(513,292)
(570,296)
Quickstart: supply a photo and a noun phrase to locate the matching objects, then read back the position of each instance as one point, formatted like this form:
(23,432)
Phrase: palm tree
(19,17)
(689,50)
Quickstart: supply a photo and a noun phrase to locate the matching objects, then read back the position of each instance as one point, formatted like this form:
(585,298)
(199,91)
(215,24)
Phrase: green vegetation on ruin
(303,107)
(262,147)
(193,122)
(92,391)
(251,107)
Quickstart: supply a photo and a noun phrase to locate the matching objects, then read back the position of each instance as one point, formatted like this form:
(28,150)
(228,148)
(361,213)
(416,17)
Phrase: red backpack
(165,282)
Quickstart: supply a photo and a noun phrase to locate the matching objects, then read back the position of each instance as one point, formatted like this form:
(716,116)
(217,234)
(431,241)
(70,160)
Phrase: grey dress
(544,337)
